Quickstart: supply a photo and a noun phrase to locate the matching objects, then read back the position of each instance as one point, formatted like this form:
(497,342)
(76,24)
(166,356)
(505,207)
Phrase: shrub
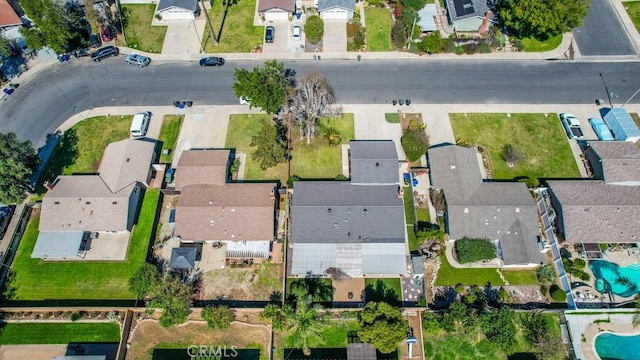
(503,295)
(459,288)
(433,43)
(458,50)
(484,48)
(376,3)
(430,323)
(218,317)
(579,264)
(415,143)
(557,294)
(398,35)
(314,29)
(359,38)
(75,316)
(341,177)
(292,179)
(472,250)
(470,48)
(517,43)
(543,290)
(511,155)
(546,274)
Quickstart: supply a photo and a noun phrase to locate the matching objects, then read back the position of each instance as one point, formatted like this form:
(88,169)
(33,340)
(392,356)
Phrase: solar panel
(463,7)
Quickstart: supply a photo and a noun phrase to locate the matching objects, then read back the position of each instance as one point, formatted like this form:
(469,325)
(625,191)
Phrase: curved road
(41,104)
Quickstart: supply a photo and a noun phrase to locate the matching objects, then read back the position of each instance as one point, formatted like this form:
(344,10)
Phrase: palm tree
(306,326)
(636,317)
(332,135)
(314,288)
(277,315)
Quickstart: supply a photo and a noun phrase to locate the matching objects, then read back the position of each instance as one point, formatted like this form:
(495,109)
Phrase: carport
(57,245)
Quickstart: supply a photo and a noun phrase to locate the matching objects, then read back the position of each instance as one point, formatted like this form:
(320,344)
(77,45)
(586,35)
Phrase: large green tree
(306,326)
(269,145)
(5,46)
(541,19)
(18,160)
(539,331)
(499,326)
(174,298)
(144,281)
(382,326)
(52,25)
(264,87)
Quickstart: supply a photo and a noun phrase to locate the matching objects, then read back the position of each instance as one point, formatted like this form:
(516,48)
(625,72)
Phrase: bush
(433,43)
(75,316)
(546,274)
(376,3)
(341,177)
(314,29)
(517,43)
(430,323)
(470,48)
(218,317)
(292,179)
(544,290)
(358,39)
(459,288)
(484,48)
(557,294)
(415,143)
(458,50)
(398,35)
(579,264)
(472,250)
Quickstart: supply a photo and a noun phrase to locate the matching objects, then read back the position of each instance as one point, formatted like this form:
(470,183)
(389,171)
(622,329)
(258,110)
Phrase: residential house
(621,124)
(605,210)
(8,17)
(469,15)
(178,9)
(237,216)
(276,10)
(355,226)
(105,202)
(503,212)
(336,9)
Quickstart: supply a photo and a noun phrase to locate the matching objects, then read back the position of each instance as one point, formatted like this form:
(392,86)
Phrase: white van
(140,124)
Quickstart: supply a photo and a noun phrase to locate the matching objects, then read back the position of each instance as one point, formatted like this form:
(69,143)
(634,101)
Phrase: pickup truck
(572,126)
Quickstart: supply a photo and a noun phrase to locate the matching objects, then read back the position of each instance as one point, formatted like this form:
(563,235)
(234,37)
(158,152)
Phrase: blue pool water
(608,274)
(616,347)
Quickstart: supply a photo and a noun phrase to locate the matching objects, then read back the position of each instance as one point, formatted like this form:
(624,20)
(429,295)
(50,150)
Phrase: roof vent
(349,234)
(498,208)
(233,210)
(453,167)
(377,164)
(364,211)
(212,222)
(57,203)
(128,159)
(329,210)
(517,209)
(466,210)
(210,202)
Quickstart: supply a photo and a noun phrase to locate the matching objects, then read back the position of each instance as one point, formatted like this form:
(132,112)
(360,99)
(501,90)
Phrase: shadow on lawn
(65,154)
(381,292)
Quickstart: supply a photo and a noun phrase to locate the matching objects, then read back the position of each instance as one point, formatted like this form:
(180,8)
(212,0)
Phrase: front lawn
(36,279)
(316,160)
(378,21)
(541,139)
(139,33)
(81,147)
(633,9)
(450,276)
(235,29)
(534,45)
(388,290)
(169,135)
(58,333)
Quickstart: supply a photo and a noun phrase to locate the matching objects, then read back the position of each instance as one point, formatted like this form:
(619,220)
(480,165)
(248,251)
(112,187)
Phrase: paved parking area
(183,38)
(602,32)
(335,36)
(280,38)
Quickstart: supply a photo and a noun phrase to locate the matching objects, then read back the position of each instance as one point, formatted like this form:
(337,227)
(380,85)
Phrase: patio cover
(183,258)
(57,245)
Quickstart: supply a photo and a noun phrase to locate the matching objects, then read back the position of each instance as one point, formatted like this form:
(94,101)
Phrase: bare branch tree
(308,102)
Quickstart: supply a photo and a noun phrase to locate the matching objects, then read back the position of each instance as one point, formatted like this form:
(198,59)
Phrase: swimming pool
(610,346)
(622,281)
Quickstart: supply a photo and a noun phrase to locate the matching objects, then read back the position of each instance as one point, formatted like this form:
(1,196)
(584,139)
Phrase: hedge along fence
(471,250)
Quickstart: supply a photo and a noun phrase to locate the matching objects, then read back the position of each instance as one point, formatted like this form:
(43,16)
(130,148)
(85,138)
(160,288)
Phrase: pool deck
(583,327)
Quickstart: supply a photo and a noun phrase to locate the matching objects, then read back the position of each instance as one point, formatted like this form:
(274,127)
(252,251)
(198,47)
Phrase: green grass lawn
(35,279)
(58,333)
(450,276)
(392,118)
(316,160)
(534,45)
(238,33)
(409,213)
(335,334)
(541,139)
(388,290)
(378,22)
(81,147)
(138,31)
(169,135)
(633,9)
(299,292)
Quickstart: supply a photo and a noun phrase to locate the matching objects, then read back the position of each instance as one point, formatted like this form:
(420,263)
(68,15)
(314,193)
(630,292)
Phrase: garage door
(334,15)
(177,15)
(276,15)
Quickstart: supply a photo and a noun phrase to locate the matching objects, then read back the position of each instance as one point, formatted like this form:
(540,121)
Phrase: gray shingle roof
(329,4)
(202,167)
(374,162)
(620,160)
(267,5)
(183,258)
(597,212)
(182,4)
(504,211)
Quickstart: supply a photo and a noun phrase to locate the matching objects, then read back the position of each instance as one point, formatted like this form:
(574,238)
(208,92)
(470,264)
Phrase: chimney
(47,185)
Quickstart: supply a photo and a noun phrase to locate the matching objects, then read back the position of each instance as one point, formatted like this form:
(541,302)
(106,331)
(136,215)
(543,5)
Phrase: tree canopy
(18,160)
(472,250)
(382,326)
(53,26)
(144,280)
(270,145)
(263,87)
(218,317)
(541,19)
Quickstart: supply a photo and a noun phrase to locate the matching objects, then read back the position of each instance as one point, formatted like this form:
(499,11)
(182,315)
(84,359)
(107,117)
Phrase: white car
(297,31)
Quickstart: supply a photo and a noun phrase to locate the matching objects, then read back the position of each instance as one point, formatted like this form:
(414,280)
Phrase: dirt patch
(256,283)
(164,231)
(149,334)
(32,352)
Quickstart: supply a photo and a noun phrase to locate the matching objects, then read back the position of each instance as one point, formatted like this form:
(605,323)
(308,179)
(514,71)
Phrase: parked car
(269,34)
(106,34)
(104,52)
(137,59)
(6,212)
(140,123)
(95,41)
(601,129)
(572,126)
(212,61)
(297,31)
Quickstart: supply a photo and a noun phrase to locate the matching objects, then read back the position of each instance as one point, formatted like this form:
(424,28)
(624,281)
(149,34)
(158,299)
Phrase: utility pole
(124,38)
(607,89)
(213,34)
(410,40)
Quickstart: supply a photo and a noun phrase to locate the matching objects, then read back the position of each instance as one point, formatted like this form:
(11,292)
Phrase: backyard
(299,291)
(139,33)
(388,290)
(36,279)
(234,28)
(168,136)
(58,333)
(541,140)
(633,9)
(450,276)
(378,21)
(535,45)
(410,215)
(257,283)
(316,160)
(335,334)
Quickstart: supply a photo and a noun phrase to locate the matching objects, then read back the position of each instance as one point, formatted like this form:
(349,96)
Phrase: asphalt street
(42,104)
(602,32)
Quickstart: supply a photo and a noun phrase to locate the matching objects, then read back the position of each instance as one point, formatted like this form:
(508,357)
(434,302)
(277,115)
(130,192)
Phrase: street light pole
(213,34)
(607,89)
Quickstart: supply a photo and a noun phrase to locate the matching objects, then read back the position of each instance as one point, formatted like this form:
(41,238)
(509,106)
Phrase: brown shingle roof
(125,162)
(225,212)
(8,16)
(620,160)
(202,167)
(266,5)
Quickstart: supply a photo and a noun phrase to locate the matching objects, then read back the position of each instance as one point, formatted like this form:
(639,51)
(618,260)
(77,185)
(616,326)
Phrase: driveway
(183,38)
(280,38)
(602,32)
(335,36)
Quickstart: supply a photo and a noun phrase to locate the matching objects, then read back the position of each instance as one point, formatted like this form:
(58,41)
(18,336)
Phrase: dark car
(104,52)
(269,33)
(212,61)
(6,212)
(95,40)
(106,34)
